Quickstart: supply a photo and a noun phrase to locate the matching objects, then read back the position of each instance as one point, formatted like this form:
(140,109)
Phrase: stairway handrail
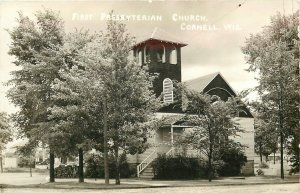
(170,151)
(145,163)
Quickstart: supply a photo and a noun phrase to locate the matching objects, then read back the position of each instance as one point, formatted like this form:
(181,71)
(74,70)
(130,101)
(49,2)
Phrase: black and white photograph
(146,96)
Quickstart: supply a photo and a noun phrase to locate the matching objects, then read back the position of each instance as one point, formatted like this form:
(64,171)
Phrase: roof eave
(161,40)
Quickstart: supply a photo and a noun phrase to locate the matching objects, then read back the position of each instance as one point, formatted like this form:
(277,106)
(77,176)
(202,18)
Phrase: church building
(161,54)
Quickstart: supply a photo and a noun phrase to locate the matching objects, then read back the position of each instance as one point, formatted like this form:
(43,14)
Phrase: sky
(215,46)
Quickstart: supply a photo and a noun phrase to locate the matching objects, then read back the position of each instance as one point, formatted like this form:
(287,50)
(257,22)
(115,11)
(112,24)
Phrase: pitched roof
(200,83)
(161,35)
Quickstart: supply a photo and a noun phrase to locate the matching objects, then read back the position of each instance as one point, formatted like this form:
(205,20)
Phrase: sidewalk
(23,180)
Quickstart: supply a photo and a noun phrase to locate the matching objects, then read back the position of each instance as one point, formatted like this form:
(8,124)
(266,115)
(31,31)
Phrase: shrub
(260,172)
(294,168)
(25,162)
(66,171)
(179,167)
(95,167)
(234,159)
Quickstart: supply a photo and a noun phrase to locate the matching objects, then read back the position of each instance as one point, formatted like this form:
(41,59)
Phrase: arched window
(168,90)
(220,92)
(173,56)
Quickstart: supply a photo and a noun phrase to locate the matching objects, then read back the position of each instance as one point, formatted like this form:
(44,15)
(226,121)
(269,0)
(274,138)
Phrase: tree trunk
(260,154)
(117,166)
(274,157)
(209,169)
(281,156)
(298,142)
(30,170)
(210,153)
(52,159)
(106,167)
(30,166)
(281,131)
(95,167)
(80,168)
(1,162)
(261,157)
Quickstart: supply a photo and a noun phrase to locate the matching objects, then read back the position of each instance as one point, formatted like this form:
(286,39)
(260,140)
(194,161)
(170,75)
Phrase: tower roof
(163,36)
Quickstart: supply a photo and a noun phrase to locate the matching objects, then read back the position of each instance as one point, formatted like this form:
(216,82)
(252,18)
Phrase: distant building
(161,54)
(10,160)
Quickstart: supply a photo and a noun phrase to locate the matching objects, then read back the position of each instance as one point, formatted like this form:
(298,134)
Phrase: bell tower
(161,54)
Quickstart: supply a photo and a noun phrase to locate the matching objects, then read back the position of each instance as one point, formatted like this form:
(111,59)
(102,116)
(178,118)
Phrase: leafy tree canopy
(274,55)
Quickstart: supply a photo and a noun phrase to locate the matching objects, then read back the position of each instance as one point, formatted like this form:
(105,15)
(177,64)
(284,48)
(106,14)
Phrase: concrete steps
(147,173)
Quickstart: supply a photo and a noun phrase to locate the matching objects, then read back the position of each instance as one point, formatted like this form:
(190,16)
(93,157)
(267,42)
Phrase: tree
(34,46)
(273,54)
(79,108)
(294,153)
(121,91)
(27,153)
(5,134)
(132,103)
(266,134)
(213,125)
(71,111)
(266,139)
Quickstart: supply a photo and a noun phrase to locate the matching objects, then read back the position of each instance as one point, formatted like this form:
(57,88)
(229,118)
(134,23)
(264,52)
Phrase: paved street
(266,188)
(22,183)
(20,179)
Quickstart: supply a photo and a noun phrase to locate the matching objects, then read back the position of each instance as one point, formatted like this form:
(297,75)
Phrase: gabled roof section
(216,81)
(199,84)
(163,36)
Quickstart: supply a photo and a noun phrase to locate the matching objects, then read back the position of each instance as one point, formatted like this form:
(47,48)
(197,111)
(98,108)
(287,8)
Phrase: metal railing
(146,162)
(149,159)
(171,151)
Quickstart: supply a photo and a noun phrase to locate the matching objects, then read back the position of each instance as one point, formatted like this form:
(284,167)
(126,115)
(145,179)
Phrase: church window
(168,90)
